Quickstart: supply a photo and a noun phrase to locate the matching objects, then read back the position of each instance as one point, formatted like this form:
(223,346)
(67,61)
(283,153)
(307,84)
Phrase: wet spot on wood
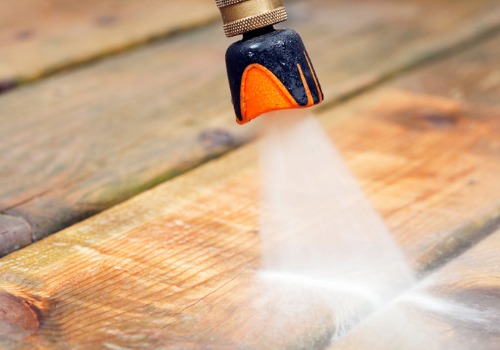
(427,113)
(106,20)
(216,138)
(6,85)
(480,297)
(19,317)
(426,119)
(472,182)
(440,120)
(477,310)
(24,35)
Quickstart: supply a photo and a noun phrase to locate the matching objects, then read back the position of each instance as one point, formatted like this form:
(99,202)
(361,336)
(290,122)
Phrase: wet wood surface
(176,266)
(40,37)
(93,137)
(457,307)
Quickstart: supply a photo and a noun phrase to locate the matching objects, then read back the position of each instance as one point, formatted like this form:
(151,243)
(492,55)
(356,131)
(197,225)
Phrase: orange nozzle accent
(320,93)
(262,92)
(310,100)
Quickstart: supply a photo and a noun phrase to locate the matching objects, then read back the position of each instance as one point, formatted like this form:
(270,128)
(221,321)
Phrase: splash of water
(420,320)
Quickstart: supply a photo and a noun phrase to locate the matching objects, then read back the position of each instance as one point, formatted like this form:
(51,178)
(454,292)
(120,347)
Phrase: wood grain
(457,307)
(175,267)
(93,137)
(40,37)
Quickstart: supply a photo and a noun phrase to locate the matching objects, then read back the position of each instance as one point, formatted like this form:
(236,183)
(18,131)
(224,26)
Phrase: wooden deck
(125,116)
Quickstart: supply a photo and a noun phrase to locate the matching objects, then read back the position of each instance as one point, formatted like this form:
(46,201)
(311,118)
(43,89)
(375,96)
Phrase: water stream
(320,233)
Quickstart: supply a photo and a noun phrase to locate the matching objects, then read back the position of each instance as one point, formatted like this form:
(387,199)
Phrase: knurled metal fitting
(241,16)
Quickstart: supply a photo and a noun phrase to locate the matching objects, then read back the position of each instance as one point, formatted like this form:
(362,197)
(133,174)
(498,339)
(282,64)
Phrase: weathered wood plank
(458,307)
(40,37)
(175,267)
(91,138)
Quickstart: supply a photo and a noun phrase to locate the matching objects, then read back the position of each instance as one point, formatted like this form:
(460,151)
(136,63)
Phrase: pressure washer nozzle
(268,69)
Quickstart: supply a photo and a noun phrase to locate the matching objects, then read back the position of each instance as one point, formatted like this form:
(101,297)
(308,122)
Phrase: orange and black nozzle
(268,69)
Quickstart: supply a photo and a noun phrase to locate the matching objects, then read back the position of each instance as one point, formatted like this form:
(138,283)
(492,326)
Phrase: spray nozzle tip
(271,71)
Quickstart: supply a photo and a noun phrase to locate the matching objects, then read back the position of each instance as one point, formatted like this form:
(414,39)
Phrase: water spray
(269,69)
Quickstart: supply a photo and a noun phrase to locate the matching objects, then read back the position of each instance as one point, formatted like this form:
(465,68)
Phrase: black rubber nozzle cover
(280,52)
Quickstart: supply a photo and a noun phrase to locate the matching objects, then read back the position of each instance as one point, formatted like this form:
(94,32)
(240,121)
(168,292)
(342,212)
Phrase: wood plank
(458,307)
(412,170)
(91,138)
(55,34)
(175,267)
(471,76)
